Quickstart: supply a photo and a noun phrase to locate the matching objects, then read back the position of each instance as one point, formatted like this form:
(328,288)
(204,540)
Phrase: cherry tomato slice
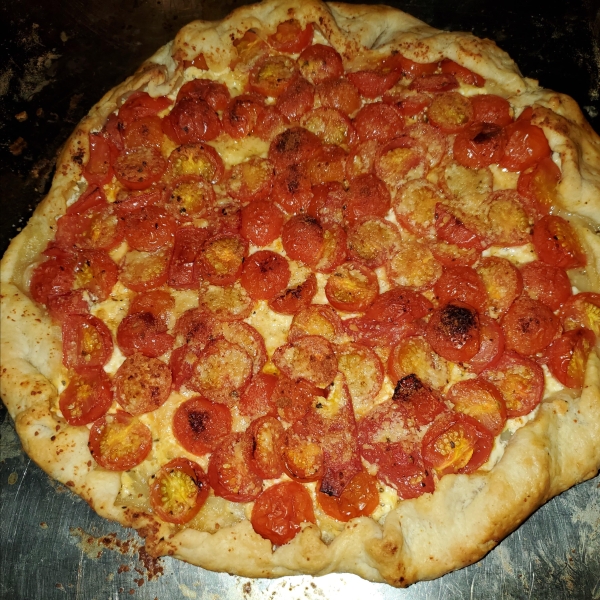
(456,443)
(149,228)
(567,356)
(450,112)
(292,189)
(529,326)
(294,299)
(266,438)
(453,331)
(503,283)
(297,99)
(191,121)
(216,95)
(229,472)
(317,319)
(464,284)
(62,306)
(95,272)
(119,441)
(145,132)
(462,73)
(434,83)
(198,160)
(378,121)
(363,371)
(339,94)
(413,265)
(330,125)
(139,168)
(98,169)
(142,384)
(251,179)
(143,332)
(557,244)
(303,239)
(265,274)
(87,342)
(257,399)
(262,222)
(538,185)
(481,400)
(489,108)
(293,398)
(200,425)
(243,115)
(87,397)
(222,258)
(278,513)
(271,76)
(290,37)
(179,490)
(294,146)
(372,241)
(187,247)
(190,197)
(453,230)
(410,68)
(373,83)
(143,271)
(548,284)
(582,310)
(420,403)
(526,145)
(491,346)
(140,104)
(319,63)
(352,287)
(53,277)
(520,381)
(359,499)
(481,145)
(368,196)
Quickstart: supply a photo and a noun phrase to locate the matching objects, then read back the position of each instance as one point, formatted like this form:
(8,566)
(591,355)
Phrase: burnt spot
(407,387)
(458,321)
(197,421)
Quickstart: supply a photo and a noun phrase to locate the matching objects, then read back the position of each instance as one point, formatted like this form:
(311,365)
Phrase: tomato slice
(399,304)
(319,63)
(229,472)
(292,189)
(327,166)
(420,403)
(548,284)
(293,146)
(62,306)
(489,108)
(352,287)
(98,169)
(119,441)
(290,37)
(557,244)
(335,249)
(293,398)
(257,399)
(215,94)
(142,384)
(272,75)
(378,121)
(451,229)
(410,68)
(266,438)
(372,241)
(538,185)
(278,513)
(456,443)
(340,94)
(450,255)
(200,425)
(251,179)
(303,239)
(582,310)
(503,283)
(143,332)
(198,160)
(413,265)
(250,48)
(529,326)
(462,73)
(526,145)
(359,499)
(262,222)
(567,356)
(481,400)
(368,196)
(297,99)
(363,371)
(140,104)
(149,228)
(187,247)
(182,363)
(265,274)
(87,397)
(330,125)
(190,197)
(372,83)
(179,491)
(144,132)
(143,271)
(317,319)
(453,331)
(222,258)
(139,168)
(247,338)
(400,159)
(480,145)
(53,277)
(464,284)
(450,112)
(192,120)
(243,115)
(294,299)
(491,346)
(87,342)
(435,83)
(508,223)
(96,273)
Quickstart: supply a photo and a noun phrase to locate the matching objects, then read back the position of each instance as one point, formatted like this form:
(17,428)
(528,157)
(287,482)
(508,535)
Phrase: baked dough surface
(421,538)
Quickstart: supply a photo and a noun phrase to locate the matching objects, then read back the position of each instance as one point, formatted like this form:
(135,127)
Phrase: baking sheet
(58,59)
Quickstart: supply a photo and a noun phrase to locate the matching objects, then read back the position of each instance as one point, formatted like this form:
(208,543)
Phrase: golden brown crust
(422,538)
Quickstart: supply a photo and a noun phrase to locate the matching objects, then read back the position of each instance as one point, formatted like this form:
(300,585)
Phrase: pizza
(316,290)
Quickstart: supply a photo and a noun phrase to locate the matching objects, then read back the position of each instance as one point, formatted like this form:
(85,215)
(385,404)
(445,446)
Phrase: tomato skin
(464,284)
(434,83)
(557,244)
(546,283)
(192,121)
(419,402)
(143,271)
(290,37)
(169,481)
(280,510)
(149,229)
(520,381)
(302,239)
(140,104)
(272,75)
(98,170)
(87,342)
(399,304)
(119,441)
(222,258)
(139,168)
(442,444)
(452,230)
(265,274)
(453,331)
(53,277)
(367,196)
(374,83)
(567,356)
(359,499)
(262,222)
(143,332)
(266,436)
(243,115)
(87,397)
(526,145)
(378,121)
(229,473)
(481,145)
(319,63)
(340,94)
(293,300)
(450,112)
(292,189)
(297,99)
(489,108)
(295,145)
(491,346)
(538,185)
(582,310)
(62,306)
(352,287)
(410,68)
(187,247)
(257,399)
(200,425)
(216,95)
(503,283)
(529,326)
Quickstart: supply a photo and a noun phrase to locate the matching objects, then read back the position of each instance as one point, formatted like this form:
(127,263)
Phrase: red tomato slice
(143,271)
(491,346)
(53,277)
(98,169)
(352,287)
(187,247)
(378,121)
(464,284)
(489,108)
(481,145)
(302,238)
(280,510)
(243,115)
(222,258)
(292,189)
(87,397)
(247,338)
(199,62)
(363,371)
(582,310)
(200,425)
(435,83)
(294,299)
(139,168)
(320,63)
(529,326)
(262,222)
(145,132)
(87,342)
(520,381)
(95,272)
(327,203)
(538,185)
(359,499)
(548,284)
(215,94)
(567,356)
(119,441)
(142,384)
(453,230)
(557,244)
(375,333)
(140,104)
(182,363)
(290,37)
(327,166)
(195,328)
(145,333)
(250,48)
(317,319)
(456,443)
(419,402)
(453,331)
(297,99)
(330,125)
(399,304)
(179,491)
(413,266)
(62,306)
(257,399)
(149,228)
(481,400)
(294,146)
(266,439)
(368,196)
(400,159)
(294,398)
(157,302)
(450,255)
(251,180)
(526,145)
(410,68)
(462,73)
(198,160)
(192,121)
(450,112)
(229,472)
(372,241)
(190,197)
(265,274)
(272,75)
(340,94)
(373,83)
(335,249)
(503,283)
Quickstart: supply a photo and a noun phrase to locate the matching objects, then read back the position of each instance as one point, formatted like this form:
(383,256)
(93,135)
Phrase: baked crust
(421,538)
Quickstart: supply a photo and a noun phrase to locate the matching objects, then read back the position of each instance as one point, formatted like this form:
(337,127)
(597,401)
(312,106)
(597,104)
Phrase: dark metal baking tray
(58,58)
